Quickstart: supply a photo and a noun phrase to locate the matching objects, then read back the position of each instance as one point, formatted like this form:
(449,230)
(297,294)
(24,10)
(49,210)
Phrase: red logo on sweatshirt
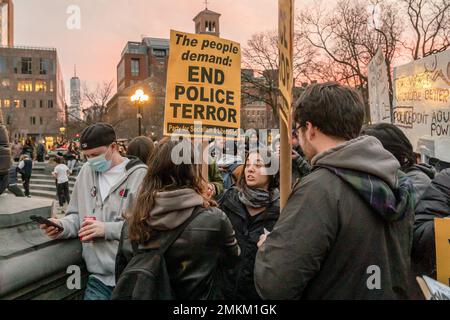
(123,193)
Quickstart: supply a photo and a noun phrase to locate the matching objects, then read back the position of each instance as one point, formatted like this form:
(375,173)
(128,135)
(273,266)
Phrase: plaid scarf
(392,204)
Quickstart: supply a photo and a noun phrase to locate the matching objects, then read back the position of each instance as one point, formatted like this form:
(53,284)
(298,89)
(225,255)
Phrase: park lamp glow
(139,96)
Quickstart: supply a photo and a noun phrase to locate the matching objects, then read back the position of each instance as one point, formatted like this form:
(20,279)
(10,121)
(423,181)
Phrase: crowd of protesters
(358,223)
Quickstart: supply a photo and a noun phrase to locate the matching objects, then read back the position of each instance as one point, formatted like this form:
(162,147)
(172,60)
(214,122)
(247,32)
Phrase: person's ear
(310,131)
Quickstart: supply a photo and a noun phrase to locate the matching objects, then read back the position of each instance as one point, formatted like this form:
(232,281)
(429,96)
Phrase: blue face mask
(99,163)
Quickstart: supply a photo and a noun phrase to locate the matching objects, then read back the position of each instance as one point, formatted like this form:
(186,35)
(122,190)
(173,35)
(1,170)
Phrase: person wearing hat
(104,190)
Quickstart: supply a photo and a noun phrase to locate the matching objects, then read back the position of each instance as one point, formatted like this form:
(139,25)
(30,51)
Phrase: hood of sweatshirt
(428,169)
(173,208)
(374,173)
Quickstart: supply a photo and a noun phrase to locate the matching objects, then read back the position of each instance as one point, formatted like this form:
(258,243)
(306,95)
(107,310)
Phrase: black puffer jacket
(238,282)
(195,258)
(435,203)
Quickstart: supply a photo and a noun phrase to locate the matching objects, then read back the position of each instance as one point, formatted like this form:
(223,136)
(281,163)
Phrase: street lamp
(138,98)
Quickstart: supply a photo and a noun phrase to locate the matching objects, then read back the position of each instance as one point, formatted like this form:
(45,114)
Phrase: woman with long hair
(168,197)
(253,207)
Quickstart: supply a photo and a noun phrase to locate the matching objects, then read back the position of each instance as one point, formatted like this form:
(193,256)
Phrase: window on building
(16,103)
(45,66)
(134,67)
(25,85)
(41,121)
(41,103)
(32,121)
(6,103)
(159,52)
(26,66)
(51,86)
(24,103)
(50,104)
(8,119)
(5,84)
(40,86)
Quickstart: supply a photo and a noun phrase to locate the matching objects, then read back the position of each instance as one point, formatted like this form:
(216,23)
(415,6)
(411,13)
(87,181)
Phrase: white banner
(422,104)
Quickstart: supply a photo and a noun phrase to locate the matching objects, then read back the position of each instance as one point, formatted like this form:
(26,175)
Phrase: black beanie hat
(97,135)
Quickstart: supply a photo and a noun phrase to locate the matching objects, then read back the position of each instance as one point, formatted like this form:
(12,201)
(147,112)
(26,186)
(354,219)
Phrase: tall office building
(75,98)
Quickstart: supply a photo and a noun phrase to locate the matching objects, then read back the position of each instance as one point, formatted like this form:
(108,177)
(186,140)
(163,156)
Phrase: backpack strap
(174,234)
(177,232)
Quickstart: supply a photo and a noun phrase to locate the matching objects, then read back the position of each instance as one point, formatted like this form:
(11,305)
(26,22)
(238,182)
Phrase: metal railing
(27,48)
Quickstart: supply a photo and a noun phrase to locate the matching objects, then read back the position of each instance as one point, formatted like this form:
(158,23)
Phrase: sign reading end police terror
(203,86)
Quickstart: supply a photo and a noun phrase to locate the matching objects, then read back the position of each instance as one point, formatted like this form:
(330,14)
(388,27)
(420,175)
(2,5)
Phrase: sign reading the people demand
(285,40)
(442,239)
(203,94)
(422,103)
(380,110)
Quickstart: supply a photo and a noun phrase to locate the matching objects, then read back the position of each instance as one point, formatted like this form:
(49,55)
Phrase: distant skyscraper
(6,23)
(75,98)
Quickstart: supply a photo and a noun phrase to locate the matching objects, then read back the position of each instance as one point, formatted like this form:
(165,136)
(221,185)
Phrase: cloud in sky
(106,26)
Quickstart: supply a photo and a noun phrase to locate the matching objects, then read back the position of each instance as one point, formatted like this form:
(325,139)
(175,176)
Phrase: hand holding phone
(51,227)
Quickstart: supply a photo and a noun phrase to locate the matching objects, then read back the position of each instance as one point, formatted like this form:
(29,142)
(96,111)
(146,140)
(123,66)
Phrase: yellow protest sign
(203,94)
(442,239)
(285,47)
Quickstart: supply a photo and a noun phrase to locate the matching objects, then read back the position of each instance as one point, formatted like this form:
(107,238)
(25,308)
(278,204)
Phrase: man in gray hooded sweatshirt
(105,189)
(346,230)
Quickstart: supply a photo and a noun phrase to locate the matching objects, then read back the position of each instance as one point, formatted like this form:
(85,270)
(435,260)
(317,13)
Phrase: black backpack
(145,277)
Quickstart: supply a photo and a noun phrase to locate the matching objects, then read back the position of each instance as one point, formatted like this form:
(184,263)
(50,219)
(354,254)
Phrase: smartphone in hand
(42,220)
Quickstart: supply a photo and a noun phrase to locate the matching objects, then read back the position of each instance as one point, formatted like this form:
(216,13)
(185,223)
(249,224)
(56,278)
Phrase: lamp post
(138,98)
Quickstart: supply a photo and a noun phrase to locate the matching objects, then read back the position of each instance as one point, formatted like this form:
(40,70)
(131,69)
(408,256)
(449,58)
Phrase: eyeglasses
(295,130)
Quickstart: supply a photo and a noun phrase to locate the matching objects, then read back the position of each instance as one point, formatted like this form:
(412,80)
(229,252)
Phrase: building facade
(143,65)
(140,60)
(31,92)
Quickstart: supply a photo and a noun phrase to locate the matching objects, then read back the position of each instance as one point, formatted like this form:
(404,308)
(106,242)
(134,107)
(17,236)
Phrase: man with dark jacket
(25,168)
(435,203)
(346,230)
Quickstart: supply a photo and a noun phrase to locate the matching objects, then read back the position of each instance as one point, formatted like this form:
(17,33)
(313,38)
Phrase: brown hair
(336,110)
(163,175)
(268,157)
(142,148)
